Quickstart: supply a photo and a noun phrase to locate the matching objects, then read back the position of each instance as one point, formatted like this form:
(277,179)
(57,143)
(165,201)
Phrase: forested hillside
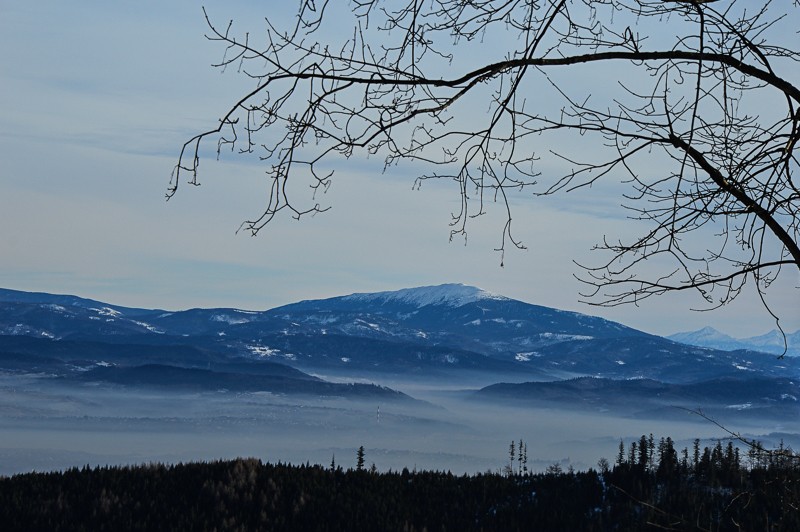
(651,485)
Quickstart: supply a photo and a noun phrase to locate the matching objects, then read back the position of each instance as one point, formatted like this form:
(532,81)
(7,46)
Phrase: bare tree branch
(699,117)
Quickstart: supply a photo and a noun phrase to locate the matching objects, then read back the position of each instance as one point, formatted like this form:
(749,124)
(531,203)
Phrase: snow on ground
(149,327)
(561,336)
(262,351)
(230,320)
(105,311)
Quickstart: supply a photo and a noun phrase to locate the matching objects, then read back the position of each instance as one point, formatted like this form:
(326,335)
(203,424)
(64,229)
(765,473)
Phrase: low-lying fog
(46,426)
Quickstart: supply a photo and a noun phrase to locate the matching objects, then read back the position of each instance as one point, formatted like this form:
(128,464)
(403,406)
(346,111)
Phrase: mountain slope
(759,397)
(178,378)
(175,367)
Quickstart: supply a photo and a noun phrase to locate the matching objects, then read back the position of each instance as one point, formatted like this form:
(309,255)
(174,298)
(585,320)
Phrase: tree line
(650,485)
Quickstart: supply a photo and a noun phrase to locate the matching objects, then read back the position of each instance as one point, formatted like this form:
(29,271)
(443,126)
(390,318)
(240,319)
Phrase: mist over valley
(431,378)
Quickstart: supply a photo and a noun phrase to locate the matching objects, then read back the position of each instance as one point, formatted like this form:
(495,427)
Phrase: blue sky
(96,99)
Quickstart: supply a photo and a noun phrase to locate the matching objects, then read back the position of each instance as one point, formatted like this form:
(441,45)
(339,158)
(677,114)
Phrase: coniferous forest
(650,485)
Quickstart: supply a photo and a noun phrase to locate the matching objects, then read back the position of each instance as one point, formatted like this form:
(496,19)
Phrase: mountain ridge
(450,331)
(770,342)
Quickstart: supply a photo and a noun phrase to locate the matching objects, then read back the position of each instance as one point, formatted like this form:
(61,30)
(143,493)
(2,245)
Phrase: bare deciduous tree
(691,104)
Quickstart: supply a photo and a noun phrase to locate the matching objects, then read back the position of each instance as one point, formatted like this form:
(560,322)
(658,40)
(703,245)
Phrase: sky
(96,99)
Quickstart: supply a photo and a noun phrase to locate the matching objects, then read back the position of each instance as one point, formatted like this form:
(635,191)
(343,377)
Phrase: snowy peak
(451,295)
(771,342)
(706,334)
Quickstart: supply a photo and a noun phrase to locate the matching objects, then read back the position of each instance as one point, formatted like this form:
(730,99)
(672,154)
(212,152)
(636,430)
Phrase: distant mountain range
(771,342)
(756,397)
(449,334)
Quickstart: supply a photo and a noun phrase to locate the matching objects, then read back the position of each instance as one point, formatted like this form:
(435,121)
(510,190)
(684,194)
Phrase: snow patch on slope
(106,311)
(561,336)
(262,351)
(149,327)
(230,320)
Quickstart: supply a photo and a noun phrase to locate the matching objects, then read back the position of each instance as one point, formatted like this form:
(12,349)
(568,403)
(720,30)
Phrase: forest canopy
(651,485)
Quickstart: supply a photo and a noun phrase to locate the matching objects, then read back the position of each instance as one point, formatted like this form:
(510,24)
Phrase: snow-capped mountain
(451,295)
(771,342)
(456,315)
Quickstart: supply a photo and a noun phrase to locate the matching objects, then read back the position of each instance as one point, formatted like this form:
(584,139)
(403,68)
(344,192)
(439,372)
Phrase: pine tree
(644,451)
(511,454)
(525,459)
(360,459)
